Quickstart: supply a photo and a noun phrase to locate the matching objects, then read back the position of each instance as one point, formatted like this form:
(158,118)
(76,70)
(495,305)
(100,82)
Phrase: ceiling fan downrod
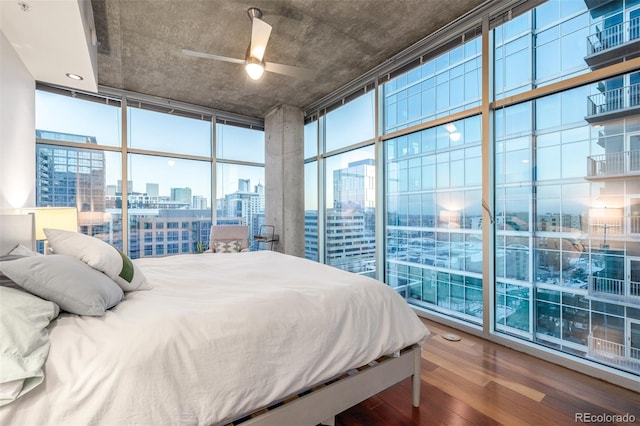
(254,12)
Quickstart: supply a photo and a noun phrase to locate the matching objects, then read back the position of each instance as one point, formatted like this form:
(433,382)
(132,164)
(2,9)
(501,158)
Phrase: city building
(181,195)
(73,177)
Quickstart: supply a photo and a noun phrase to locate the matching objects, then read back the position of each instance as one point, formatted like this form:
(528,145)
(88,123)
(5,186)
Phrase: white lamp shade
(65,218)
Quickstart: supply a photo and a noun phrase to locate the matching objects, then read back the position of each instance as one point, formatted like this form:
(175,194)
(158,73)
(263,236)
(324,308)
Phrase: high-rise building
(153,190)
(199,202)
(350,237)
(245,204)
(354,186)
(181,195)
(119,186)
(244,185)
(73,177)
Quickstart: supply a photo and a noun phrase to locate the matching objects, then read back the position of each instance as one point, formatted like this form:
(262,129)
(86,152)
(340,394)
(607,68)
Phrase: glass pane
(86,179)
(448,83)
(68,119)
(545,45)
(240,197)
(581,191)
(169,205)
(311,210)
(434,218)
(350,214)
(311,139)
(238,143)
(156,131)
(351,123)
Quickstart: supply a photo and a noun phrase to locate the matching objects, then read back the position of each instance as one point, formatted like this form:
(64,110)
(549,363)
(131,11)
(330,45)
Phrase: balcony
(612,104)
(614,164)
(614,289)
(614,44)
(614,354)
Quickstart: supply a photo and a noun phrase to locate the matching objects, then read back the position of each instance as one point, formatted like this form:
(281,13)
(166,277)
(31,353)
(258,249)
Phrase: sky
(159,132)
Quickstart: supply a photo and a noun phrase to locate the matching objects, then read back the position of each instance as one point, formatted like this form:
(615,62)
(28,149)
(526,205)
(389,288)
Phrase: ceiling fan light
(255,69)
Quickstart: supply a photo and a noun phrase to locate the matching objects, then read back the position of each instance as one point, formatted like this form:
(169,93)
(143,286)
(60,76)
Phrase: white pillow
(99,255)
(25,341)
(66,281)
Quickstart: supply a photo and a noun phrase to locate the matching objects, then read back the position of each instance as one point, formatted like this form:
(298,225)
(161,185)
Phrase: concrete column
(284,177)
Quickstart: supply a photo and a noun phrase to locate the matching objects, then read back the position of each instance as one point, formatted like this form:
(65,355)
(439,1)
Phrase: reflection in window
(434,218)
(580,254)
(448,83)
(350,214)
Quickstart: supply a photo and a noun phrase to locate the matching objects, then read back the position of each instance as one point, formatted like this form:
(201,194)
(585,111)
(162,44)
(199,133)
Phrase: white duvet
(217,336)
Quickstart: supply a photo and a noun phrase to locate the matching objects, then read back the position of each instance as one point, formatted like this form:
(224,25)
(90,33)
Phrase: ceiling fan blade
(260,32)
(210,56)
(291,71)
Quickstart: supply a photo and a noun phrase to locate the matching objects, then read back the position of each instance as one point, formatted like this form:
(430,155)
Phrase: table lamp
(65,218)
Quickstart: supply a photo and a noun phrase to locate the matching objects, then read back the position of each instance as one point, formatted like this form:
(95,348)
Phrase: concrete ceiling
(140,42)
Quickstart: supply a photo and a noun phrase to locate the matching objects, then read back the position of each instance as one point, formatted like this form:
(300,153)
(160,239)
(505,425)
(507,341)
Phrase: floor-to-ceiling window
(166,191)
(75,161)
(348,191)
(311,223)
(433,232)
(240,178)
(561,125)
(433,184)
(172,177)
(566,185)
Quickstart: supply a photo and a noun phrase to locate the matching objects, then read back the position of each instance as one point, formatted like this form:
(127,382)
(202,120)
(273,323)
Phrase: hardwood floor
(476,382)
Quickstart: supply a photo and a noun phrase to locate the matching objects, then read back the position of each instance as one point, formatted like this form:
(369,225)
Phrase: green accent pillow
(127,267)
(99,255)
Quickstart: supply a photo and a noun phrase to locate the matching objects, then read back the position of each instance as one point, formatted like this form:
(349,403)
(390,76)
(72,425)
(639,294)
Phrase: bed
(257,338)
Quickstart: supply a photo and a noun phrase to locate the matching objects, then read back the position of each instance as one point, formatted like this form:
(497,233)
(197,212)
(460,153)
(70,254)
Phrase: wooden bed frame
(322,403)
(313,406)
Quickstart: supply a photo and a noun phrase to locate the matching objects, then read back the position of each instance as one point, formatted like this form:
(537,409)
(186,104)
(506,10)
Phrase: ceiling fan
(254,64)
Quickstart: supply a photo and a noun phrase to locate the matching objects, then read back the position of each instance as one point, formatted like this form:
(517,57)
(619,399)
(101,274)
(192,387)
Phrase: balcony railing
(615,100)
(614,164)
(610,288)
(614,353)
(613,36)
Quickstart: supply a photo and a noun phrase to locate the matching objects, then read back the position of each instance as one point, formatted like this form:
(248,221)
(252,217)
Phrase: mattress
(217,336)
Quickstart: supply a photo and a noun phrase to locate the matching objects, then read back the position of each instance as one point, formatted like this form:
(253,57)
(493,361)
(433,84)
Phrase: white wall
(17,131)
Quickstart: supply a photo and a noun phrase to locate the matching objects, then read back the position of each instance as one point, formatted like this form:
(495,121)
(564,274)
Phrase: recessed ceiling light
(73,76)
